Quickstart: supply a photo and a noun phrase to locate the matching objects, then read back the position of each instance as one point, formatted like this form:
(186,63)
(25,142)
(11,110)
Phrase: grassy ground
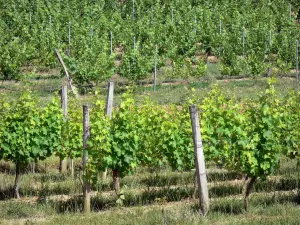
(152,196)
(48,84)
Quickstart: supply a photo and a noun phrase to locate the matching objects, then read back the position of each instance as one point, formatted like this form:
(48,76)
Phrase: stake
(151,15)
(50,22)
(91,36)
(133,11)
(30,15)
(243,41)
(134,42)
(270,45)
(66,72)
(199,162)
(64,105)
(86,185)
(297,60)
(155,69)
(69,38)
(108,110)
(111,47)
(195,29)
(220,24)
(133,49)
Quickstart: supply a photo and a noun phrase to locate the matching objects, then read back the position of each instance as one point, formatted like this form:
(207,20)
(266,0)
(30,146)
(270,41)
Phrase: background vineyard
(102,39)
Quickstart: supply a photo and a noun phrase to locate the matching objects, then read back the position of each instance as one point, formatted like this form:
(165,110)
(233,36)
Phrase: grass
(159,196)
(46,85)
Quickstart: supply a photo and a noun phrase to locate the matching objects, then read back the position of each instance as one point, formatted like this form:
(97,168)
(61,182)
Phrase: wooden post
(243,41)
(297,60)
(86,185)
(108,110)
(66,72)
(133,11)
(109,100)
(111,43)
(270,45)
(195,28)
(91,37)
(64,105)
(69,39)
(50,22)
(199,162)
(134,43)
(155,69)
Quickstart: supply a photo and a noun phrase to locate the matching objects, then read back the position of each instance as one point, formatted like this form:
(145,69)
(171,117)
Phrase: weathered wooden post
(108,110)
(297,60)
(86,185)
(69,39)
(66,72)
(111,43)
(64,105)
(199,162)
(155,69)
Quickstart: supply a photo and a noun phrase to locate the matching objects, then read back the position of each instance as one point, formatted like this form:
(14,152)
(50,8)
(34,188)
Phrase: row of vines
(103,38)
(248,137)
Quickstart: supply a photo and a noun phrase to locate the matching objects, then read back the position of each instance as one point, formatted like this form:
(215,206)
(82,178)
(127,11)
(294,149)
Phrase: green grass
(47,84)
(152,196)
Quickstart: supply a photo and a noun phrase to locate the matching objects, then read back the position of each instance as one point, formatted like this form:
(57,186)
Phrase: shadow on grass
(231,206)
(147,197)
(225,189)
(161,180)
(283,184)
(276,198)
(8,193)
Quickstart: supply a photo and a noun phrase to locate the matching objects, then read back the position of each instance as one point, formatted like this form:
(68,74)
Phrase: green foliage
(29,133)
(99,143)
(136,66)
(90,68)
(249,137)
(124,138)
(71,132)
(11,59)
(31,31)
